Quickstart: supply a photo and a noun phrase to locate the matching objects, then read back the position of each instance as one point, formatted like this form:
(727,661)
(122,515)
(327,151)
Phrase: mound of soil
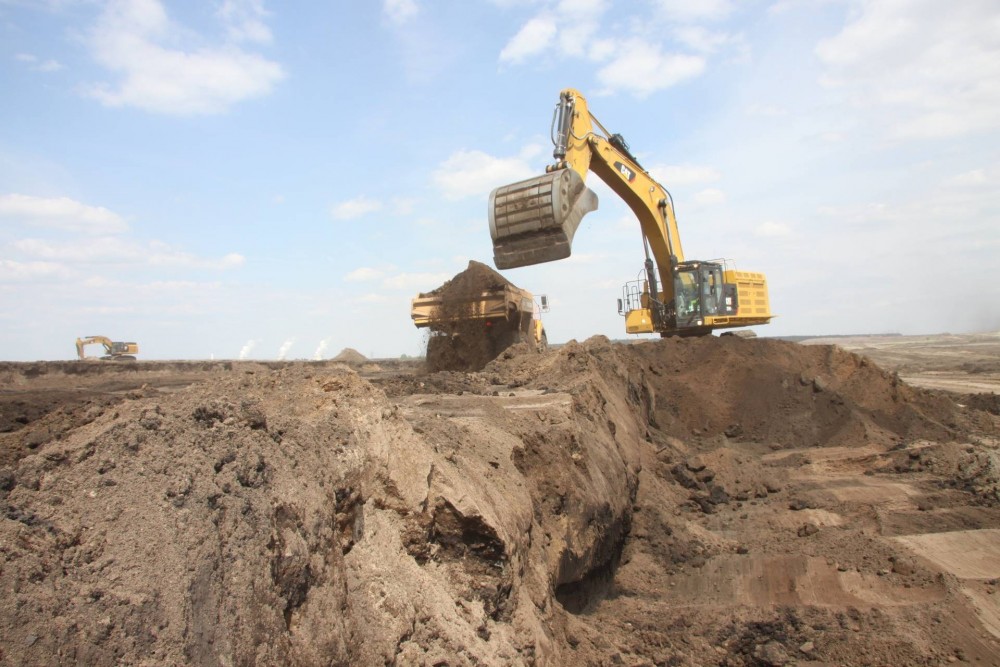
(350,356)
(476,278)
(458,342)
(713,501)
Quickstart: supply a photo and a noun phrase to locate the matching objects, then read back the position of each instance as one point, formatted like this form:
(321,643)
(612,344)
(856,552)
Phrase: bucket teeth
(534,221)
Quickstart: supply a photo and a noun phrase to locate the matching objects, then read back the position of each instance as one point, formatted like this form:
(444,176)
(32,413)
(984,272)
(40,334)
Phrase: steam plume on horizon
(283,350)
(245,350)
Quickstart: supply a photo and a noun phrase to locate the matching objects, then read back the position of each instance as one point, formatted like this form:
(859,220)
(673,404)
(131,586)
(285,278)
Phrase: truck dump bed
(428,310)
(474,317)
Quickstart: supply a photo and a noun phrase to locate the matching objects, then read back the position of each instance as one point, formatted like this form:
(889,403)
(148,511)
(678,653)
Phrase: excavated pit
(715,501)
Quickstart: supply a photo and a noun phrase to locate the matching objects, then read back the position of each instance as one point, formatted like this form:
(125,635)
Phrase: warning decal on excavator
(625,171)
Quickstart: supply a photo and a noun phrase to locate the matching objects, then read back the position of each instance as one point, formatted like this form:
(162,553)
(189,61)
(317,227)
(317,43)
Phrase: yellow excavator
(113,350)
(533,221)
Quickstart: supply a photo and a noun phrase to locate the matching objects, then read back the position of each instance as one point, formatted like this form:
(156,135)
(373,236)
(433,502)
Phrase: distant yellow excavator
(534,221)
(113,350)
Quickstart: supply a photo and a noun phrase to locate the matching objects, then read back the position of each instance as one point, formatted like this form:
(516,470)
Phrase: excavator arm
(608,156)
(534,221)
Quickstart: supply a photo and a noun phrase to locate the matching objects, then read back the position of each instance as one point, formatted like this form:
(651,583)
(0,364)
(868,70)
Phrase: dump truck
(469,327)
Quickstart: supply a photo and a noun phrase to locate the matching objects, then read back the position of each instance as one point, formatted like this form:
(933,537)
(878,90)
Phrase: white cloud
(38,65)
(49,65)
(403,205)
(641,68)
(771,229)
(363,274)
(161,254)
(415,282)
(245,21)
(971,179)
(104,249)
(860,214)
(116,250)
(399,11)
(709,197)
(702,39)
(371,297)
(691,11)
(684,174)
(574,39)
(60,213)
(632,56)
(766,110)
(507,4)
(584,8)
(586,257)
(531,151)
(924,69)
(13,271)
(533,38)
(137,40)
(355,208)
(601,49)
(567,29)
(475,173)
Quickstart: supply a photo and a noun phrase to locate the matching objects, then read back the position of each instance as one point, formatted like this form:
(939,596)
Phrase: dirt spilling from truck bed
(714,501)
(458,341)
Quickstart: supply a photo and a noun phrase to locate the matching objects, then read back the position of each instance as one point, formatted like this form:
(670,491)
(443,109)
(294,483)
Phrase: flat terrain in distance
(964,363)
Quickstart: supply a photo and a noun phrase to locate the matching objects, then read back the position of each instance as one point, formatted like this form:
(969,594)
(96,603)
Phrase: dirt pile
(459,342)
(350,356)
(685,502)
(476,278)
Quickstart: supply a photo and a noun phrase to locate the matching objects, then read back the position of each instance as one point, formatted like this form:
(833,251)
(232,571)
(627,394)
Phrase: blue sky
(242,178)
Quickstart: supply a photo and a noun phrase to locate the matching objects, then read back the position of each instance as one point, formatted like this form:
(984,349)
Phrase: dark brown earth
(459,342)
(714,501)
(476,278)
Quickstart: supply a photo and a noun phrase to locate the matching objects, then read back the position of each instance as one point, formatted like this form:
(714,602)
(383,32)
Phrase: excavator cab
(700,292)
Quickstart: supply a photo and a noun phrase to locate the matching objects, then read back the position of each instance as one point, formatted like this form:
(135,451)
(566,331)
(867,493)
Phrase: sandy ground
(965,363)
(678,502)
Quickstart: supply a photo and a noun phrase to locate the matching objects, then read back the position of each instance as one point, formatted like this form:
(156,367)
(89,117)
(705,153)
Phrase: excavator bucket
(533,221)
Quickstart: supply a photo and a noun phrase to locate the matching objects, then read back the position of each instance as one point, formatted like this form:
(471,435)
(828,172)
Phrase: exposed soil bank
(714,501)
